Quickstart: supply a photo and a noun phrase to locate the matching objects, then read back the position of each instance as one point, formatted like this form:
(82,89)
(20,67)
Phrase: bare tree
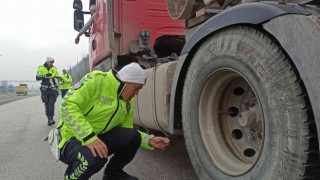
(3,86)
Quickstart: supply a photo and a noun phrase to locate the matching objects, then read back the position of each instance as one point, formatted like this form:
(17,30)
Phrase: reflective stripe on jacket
(66,81)
(93,106)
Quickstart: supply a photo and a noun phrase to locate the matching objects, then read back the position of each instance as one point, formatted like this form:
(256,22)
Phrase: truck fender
(255,13)
(299,37)
(248,13)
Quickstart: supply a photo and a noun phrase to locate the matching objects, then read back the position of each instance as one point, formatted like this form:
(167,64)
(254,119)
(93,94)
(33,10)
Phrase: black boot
(50,121)
(118,175)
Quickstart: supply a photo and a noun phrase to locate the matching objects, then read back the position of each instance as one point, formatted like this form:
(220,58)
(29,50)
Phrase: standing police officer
(48,75)
(97,121)
(65,82)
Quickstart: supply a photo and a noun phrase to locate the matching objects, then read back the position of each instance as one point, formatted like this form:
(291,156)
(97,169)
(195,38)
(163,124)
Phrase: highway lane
(6,98)
(24,155)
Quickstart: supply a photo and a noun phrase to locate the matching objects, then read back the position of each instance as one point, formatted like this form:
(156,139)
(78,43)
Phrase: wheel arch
(249,13)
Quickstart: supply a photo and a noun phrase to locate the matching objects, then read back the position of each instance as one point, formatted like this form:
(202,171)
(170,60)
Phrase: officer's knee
(97,161)
(136,137)
(43,98)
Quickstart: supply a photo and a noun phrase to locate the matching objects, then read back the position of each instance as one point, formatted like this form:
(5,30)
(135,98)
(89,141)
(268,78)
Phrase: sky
(31,30)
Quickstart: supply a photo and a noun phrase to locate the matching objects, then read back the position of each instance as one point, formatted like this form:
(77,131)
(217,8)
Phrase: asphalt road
(24,155)
(6,98)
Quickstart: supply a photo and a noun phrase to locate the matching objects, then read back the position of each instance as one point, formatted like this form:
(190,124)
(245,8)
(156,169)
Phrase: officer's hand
(159,142)
(38,78)
(97,146)
(77,40)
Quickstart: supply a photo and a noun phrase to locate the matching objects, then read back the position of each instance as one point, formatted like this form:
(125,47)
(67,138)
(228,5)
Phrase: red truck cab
(129,28)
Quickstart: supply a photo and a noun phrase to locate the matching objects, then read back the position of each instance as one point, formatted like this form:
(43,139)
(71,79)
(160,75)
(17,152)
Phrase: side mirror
(77,4)
(78,20)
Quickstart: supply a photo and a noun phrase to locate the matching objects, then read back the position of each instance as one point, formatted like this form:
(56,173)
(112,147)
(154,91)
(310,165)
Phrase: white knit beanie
(132,73)
(49,59)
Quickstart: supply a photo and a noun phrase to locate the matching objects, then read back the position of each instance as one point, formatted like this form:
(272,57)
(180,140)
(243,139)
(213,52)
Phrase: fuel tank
(152,103)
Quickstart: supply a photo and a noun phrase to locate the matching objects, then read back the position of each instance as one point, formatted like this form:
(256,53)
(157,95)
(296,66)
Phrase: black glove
(38,78)
(48,75)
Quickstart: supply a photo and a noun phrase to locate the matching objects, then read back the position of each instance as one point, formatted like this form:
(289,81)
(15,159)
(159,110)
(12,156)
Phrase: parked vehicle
(239,79)
(22,89)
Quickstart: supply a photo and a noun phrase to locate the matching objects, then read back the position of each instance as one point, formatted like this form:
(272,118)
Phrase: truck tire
(246,113)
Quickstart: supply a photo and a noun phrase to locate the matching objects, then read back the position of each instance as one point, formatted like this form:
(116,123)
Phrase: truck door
(99,40)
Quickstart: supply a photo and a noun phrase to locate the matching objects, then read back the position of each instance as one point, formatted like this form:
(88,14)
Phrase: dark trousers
(49,97)
(123,143)
(64,92)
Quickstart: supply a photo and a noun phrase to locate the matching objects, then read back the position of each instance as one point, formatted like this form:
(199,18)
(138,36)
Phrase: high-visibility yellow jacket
(46,75)
(93,106)
(65,81)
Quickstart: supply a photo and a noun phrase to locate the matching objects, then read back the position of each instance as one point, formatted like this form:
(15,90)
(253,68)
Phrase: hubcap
(231,122)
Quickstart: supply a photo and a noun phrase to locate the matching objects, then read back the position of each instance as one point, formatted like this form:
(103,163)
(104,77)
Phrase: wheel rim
(230,122)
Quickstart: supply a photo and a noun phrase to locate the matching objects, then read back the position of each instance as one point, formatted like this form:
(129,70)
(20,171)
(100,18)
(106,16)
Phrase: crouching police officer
(48,75)
(97,121)
(65,82)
